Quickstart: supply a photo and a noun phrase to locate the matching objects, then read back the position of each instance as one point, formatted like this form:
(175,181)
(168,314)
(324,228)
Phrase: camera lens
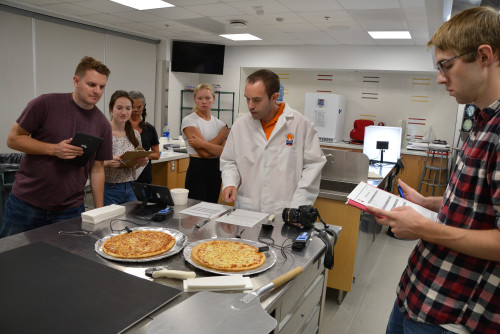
(291,215)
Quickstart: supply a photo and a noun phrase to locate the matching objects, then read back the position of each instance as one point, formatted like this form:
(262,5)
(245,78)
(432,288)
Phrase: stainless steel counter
(68,236)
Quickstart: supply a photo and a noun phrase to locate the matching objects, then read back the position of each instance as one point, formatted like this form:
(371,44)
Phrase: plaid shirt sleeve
(441,286)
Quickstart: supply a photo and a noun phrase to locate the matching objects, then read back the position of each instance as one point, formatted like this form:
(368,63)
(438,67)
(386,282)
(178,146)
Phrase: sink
(341,173)
(337,190)
(337,186)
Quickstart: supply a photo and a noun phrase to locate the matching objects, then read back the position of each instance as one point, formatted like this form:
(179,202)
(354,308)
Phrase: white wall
(229,82)
(177,82)
(399,70)
(364,58)
(39,55)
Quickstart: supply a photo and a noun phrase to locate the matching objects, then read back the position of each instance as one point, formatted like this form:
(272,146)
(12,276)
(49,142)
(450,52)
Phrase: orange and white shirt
(282,171)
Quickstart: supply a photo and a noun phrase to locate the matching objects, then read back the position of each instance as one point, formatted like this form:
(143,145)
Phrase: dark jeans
(118,193)
(399,324)
(20,216)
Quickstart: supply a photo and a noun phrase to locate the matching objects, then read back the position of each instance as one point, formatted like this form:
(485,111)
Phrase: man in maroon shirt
(47,189)
(451,283)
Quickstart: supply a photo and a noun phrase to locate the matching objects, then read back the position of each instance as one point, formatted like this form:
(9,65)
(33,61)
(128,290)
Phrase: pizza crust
(227,255)
(138,244)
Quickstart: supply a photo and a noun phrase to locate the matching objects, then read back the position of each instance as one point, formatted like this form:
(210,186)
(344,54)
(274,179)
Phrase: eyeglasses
(440,65)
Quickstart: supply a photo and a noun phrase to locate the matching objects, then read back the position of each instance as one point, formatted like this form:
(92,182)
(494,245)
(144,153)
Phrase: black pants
(146,175)
(203,179)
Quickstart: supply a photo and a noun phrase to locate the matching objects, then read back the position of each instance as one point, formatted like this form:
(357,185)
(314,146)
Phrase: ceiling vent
(240,24)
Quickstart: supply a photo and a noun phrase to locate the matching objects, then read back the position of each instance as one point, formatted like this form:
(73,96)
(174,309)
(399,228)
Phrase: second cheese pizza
(227,255)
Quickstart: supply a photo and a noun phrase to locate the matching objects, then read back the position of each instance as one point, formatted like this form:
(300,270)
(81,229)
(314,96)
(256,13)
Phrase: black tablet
(90,145)
(149,193)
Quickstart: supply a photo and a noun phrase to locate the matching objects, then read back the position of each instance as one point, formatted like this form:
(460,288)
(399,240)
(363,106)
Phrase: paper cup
(179,195)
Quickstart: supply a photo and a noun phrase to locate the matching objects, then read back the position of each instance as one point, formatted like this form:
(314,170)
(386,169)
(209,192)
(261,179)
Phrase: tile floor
(367,307)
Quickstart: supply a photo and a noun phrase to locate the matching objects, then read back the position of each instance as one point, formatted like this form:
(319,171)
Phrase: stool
(436,165)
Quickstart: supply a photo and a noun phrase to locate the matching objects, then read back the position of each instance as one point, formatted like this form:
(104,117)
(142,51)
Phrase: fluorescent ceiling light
(390,34)
(241,37)
(144,4)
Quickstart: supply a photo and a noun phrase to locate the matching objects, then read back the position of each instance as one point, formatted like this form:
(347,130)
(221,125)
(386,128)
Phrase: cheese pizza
(138,244)
(227,255)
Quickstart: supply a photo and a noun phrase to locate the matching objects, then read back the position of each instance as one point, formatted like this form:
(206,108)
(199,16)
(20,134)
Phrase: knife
(203,222)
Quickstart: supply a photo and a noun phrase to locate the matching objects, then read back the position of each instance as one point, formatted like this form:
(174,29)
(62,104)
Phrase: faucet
(331,160)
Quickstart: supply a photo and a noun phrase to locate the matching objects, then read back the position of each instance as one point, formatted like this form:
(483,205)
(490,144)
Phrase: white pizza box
(218,283)
(100,214)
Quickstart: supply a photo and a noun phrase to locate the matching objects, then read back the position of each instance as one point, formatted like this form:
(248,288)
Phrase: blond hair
(201,87)
(467,30)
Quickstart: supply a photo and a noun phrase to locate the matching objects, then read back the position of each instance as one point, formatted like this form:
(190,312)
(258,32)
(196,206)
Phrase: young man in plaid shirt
(452,281)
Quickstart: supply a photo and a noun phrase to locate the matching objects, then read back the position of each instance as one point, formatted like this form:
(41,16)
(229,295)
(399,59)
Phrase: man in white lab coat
(272,159)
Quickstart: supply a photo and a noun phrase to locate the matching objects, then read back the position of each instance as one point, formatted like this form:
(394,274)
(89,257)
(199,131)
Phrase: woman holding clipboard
(117,188)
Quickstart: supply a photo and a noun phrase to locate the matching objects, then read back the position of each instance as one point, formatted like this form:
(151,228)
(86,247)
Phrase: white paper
(242,218)
(369,195)
(206,210)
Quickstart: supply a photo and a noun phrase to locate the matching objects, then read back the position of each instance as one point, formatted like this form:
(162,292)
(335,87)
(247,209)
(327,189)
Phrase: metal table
(74,241)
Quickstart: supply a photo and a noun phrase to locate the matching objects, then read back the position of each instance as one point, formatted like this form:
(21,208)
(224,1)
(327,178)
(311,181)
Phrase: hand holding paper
(366,195)
(404,221)
(404,217)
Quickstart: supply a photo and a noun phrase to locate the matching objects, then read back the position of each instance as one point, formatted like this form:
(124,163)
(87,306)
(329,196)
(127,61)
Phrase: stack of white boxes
(98,215)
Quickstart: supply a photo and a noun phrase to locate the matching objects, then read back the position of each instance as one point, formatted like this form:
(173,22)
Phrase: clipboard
(127,158)
(90,145)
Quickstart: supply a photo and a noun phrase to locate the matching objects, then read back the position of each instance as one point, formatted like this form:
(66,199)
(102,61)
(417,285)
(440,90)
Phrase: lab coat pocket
(287,158)
(244,203)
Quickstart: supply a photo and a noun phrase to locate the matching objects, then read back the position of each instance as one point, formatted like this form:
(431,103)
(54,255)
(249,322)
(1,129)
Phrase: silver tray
(181,241)
(270,257)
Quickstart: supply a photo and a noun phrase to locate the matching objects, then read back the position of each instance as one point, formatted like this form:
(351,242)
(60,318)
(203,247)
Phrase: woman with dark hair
(117,188)
(149,136)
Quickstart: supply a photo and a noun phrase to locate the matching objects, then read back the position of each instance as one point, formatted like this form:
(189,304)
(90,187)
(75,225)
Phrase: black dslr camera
(305,215)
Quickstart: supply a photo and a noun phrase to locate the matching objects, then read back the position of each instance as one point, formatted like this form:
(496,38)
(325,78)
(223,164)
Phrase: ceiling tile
(412,3)
(288,18)
(355,41)
(268,7)
(339,27)
(295,27)
(174,13)
(137,16)
(42,2)
(312,5)
(390,19)
(370,4)
(104,18)
(326,16)
(339,21)
(415,14)
(277,35)
(69,9)
(217,9)
(190,2)
(287,42)
(322,42)
(311,35)
(103,6)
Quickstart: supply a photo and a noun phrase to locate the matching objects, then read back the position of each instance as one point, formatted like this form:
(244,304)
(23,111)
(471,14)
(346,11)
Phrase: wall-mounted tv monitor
(197,57)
